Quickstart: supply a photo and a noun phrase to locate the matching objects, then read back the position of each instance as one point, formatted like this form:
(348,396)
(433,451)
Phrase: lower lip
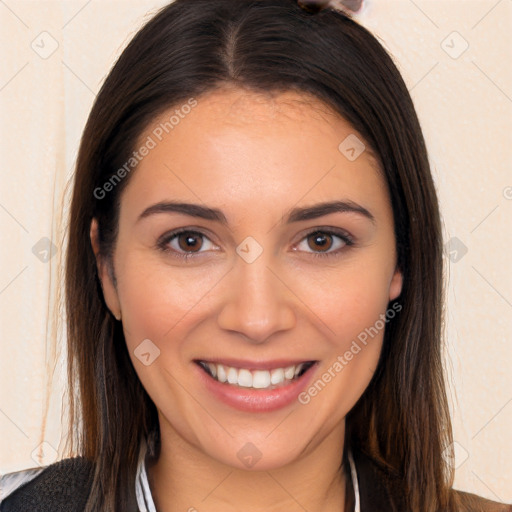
(256,400)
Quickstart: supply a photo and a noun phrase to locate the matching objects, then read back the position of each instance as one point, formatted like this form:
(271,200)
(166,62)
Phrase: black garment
(64,487)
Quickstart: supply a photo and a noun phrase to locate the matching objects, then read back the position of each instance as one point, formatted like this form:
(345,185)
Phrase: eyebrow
(295,215)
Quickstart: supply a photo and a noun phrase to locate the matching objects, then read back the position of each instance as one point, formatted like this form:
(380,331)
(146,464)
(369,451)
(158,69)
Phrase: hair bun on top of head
(347,6)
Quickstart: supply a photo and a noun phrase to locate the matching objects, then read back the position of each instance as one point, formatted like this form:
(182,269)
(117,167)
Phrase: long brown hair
(192,47)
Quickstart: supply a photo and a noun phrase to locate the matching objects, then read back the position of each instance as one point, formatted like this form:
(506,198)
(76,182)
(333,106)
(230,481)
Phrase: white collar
(145,499)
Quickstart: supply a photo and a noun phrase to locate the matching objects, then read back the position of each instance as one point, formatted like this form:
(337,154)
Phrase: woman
(254,277)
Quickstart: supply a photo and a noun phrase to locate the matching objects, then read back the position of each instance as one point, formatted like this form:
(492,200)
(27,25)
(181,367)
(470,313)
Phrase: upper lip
(255,365)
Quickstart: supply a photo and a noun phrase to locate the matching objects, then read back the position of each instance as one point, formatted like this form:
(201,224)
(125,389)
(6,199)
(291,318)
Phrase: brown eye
(190,242)
(325,242)
(186,243)
(320,241)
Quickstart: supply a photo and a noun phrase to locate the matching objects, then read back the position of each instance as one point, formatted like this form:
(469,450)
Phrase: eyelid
(164,240)
(344,235)
(341,233)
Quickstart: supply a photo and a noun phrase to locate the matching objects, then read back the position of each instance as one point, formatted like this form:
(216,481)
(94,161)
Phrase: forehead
(239,106)
(245,149)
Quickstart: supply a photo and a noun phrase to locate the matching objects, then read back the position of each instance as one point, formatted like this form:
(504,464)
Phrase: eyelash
(343,235)
(163,242)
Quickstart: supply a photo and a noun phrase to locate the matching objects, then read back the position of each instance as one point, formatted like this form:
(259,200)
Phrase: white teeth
(277,376)
(257,379)
(260,379)
(221,373)
(213,369)
(244,378)
(289,372)
(232,376)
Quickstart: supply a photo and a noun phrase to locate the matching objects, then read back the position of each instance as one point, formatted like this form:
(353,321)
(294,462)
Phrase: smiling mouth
(255,379)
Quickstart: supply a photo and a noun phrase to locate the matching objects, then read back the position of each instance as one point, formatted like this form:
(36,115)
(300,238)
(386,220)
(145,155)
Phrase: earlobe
(395,287)
(107,284)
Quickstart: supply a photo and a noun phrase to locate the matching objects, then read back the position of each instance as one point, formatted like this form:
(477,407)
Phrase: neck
(184,478)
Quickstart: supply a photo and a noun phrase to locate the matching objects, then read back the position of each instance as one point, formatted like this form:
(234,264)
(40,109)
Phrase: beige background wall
(456,58)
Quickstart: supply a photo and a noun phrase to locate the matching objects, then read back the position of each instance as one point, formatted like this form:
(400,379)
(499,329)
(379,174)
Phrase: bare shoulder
(469,502)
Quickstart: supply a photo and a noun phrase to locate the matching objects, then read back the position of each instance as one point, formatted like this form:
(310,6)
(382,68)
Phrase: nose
(257,304)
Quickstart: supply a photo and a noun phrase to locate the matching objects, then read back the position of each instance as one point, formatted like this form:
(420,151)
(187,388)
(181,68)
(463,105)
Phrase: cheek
(158,301)
(161,306)
(352,303)
(348,299)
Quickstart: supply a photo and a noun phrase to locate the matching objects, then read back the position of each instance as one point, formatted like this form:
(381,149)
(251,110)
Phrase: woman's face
(286,256)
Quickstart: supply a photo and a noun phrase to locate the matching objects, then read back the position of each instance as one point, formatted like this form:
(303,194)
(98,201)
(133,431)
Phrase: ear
(105,276)
(395,286)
